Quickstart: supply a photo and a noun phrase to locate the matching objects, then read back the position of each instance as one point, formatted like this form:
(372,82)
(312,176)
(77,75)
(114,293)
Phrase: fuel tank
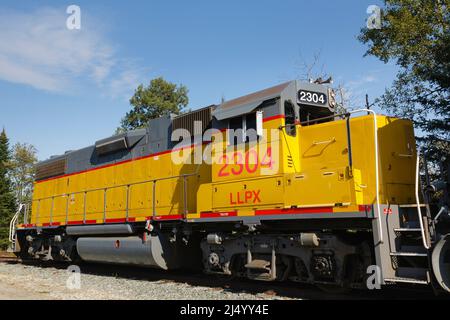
(156,251)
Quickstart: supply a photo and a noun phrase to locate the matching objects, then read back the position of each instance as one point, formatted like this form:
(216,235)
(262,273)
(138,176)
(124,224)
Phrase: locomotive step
(258,264)
(408,254)
(406,280)
(412,205)
(414,249)
(413,273)
(407,230)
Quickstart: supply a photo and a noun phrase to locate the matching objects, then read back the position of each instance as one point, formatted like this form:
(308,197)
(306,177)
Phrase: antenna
(367,103)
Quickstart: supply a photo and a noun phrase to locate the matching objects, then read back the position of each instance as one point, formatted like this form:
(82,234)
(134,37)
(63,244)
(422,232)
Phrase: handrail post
(25,216)
(377,178)
(185,213)
(12,226)
(38,211)
(127,202)
(419,212)
(67,208)
(104,205)
(154,199)
(377,174)
(51,210)
(349,146)
(84,207)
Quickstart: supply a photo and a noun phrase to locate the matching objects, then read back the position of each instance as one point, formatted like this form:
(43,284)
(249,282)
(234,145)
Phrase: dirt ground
(30,282)
(14,290)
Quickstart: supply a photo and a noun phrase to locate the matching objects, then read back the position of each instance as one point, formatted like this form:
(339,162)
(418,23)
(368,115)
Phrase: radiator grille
(52,169)
(186,121)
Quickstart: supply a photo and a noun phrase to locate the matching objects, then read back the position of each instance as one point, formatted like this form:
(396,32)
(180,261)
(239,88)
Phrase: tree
(314,71)
(7,201)
(416,35)
(160,98)
(22,169)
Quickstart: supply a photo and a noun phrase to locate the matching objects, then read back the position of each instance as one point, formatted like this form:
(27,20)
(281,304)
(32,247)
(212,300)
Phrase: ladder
(405,256)
(409,244)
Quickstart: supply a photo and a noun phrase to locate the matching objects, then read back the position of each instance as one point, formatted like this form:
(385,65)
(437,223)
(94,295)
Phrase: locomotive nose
(441,262)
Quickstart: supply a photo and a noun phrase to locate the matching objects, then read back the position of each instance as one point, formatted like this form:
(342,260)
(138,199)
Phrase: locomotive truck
(273,186)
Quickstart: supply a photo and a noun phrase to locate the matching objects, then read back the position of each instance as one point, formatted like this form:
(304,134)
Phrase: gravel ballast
(105,282)
(18,281)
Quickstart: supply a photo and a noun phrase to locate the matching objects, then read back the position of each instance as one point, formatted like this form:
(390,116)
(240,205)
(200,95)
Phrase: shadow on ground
(276,289)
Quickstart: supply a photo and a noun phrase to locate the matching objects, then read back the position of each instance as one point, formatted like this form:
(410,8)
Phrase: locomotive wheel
(441,262)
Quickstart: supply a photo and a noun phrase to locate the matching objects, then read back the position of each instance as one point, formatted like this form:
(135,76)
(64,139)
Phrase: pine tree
(158,99)
(7,202)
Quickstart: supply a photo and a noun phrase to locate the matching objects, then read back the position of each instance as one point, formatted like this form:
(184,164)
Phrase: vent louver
(187,121)
(51,169)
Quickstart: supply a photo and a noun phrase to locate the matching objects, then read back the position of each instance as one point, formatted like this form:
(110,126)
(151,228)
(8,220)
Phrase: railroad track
(9,258)
(275,289)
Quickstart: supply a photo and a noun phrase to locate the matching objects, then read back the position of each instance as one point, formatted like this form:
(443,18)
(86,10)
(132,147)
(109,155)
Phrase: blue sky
(62,89)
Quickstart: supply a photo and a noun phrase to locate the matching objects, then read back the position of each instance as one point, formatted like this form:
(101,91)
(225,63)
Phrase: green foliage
(22,169)
(416,35)
(160,98)
(7,201)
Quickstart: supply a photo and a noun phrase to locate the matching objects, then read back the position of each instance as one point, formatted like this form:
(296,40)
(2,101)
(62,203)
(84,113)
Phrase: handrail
(315,143)
(118,186)
(377,178)
(376,149)
(441,211)
(105,189)
(12,223)
(419,212)
(404,155)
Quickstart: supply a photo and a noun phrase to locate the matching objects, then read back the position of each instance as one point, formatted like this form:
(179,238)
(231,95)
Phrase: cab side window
(244,129)
(250,127)
(289,114)
(236,131)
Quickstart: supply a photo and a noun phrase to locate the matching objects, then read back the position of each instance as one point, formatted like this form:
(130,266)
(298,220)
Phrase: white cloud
(354,84)
(369,79)
(37,49)
(126,81)
(354,91)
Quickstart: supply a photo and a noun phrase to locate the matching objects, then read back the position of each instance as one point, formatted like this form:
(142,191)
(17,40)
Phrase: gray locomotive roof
(132,137)
(157,133)
(248,103)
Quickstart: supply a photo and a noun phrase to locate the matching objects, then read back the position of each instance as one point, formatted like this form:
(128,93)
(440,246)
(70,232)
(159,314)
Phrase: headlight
(332,98)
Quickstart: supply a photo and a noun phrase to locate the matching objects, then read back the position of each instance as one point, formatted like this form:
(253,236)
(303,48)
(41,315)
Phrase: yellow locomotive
(271,186)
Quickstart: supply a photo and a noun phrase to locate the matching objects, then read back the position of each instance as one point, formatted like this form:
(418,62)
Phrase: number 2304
(240,162)
(314,97)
